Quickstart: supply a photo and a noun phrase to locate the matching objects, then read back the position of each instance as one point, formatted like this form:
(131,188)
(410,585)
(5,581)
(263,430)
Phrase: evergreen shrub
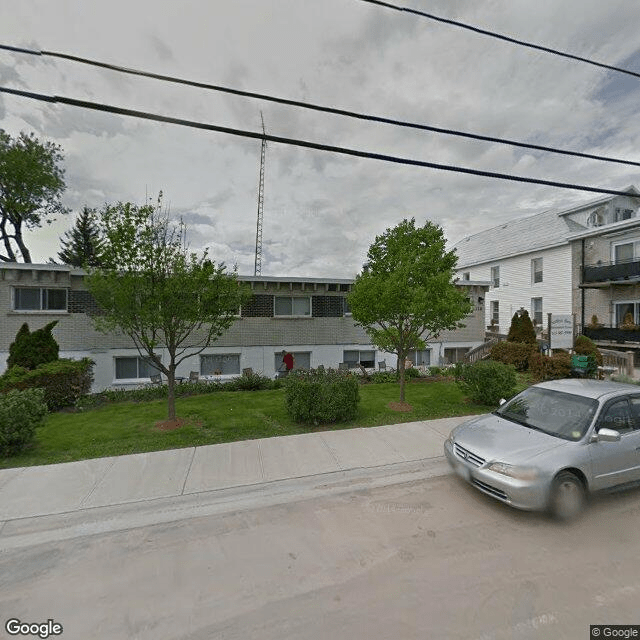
(21,412)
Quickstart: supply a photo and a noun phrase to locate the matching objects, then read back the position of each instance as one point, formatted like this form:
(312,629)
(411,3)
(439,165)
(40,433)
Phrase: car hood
(497,439)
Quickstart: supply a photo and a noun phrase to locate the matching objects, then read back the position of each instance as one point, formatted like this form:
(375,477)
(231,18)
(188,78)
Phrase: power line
(257,135)
(317,107)
(500,36)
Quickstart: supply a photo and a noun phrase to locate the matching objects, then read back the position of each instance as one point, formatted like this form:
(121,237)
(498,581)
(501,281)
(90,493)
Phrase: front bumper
(530,495)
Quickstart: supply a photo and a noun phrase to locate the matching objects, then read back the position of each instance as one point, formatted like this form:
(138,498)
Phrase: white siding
(517,289)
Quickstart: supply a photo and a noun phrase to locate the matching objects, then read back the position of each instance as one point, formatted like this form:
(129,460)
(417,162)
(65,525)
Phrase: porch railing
(622,361)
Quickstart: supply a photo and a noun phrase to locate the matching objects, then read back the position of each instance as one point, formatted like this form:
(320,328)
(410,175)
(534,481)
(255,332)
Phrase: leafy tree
(405,295)
(158,293)
(83,245)
(31,185)
(30,350)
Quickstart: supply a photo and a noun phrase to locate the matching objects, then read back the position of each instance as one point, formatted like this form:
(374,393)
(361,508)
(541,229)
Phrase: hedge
(21,412)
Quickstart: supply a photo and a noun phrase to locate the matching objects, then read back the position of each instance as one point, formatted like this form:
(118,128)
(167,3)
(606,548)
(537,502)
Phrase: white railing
(621,361)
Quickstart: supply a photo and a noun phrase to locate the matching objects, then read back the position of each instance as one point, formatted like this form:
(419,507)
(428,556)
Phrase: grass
(226,416)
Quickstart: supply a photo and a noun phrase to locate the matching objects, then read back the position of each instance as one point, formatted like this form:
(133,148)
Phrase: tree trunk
(171,391)
(401,358)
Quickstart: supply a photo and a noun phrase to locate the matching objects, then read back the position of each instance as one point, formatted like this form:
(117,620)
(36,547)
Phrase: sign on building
(561,331)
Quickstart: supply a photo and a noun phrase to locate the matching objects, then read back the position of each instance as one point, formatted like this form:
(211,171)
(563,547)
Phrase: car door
(633,471)
(615,463)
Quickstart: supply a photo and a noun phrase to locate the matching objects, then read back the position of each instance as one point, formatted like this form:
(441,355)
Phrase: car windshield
(560,414)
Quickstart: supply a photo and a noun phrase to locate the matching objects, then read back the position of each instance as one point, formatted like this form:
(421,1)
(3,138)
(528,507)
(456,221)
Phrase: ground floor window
(220,364)
(32,299)
(133,367)
(454,354)
(536,311)
(355,358)
(301,360)
(495,312)
(420,358)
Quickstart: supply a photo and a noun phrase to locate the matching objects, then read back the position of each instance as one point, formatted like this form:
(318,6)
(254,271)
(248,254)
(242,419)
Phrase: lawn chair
(156,378)
(382,365)
(194,376)
(343,366)
(247,372)
(365,374)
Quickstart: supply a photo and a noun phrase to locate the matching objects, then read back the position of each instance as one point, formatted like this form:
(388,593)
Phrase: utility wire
(258,135)
(500,36)
(316,107)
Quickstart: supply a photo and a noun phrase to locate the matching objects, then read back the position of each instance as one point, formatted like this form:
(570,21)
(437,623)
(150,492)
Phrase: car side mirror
(502,401)
(606,435)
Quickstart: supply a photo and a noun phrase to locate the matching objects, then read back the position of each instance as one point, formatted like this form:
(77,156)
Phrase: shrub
(251,382)
(515,353)
(437,371)
(550,367)
(487,381)
(410,373)
(30,350)
(63,381)
(521,329)
(585,346)
(381,377)
(315,397)
(21,412)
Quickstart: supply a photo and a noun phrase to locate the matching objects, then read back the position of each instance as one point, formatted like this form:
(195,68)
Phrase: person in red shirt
(288,360)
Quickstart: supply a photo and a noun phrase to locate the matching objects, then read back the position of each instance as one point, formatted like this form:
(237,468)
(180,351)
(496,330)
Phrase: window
(536,310)
(495,277)
(624,308)
(622,214)
(616,416)
(346,309)
(420,358)
(454,354)
(292,306)
(301,360)
(466,275)
(495,312)
(536,270)
(623,252)
(354,358)
(595,219)
(36,299)
(220,364)
(132,367)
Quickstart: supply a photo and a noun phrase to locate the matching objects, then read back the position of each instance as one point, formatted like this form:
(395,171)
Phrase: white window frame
(42,296)
(535,272)
(346,310)
(533,311)
(635,242)
(221,355)
(413,356)
(495,281)
(293,315)
(360,360)
(494,306)
(636,311)
(138,358)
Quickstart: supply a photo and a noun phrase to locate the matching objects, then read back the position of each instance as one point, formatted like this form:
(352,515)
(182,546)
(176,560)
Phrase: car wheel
(568,496)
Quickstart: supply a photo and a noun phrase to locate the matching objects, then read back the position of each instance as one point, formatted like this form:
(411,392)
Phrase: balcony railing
(611,271)
(611,334)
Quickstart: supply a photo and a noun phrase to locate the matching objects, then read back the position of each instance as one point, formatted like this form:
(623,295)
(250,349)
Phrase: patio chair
(156,378)
(194,376)
(343,366)
(247,372)
(382,365)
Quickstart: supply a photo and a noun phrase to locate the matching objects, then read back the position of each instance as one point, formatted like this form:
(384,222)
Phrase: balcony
(620,271)
(611,334)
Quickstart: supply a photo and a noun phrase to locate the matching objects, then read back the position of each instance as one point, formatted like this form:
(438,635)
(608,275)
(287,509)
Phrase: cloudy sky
(321,211)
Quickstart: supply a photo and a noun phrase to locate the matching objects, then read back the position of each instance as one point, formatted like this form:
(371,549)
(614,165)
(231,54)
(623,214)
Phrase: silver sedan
(553,444)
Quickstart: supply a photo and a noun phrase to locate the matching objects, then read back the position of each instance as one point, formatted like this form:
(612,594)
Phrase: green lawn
(226,416)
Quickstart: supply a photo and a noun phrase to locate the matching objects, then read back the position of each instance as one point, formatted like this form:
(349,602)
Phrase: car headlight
(513,471)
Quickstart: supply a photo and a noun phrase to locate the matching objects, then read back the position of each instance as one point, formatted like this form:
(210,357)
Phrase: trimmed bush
(521,329)
(487,381)
(411,372)
(30,350)
(21,412)
(251,382)
(381,377)
(63,381)
(550,367)
(321,397)
(514,353)
(585,347)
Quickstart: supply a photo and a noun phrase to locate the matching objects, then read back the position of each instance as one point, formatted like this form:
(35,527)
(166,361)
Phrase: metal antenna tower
(257,270)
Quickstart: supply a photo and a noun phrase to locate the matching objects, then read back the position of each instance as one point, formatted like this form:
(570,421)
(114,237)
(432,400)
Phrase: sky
(322,211)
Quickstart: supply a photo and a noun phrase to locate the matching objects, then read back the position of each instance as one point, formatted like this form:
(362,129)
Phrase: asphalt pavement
(131,490)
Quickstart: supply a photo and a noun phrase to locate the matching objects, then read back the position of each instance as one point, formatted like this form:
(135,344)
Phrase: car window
(635,412)
(616,416)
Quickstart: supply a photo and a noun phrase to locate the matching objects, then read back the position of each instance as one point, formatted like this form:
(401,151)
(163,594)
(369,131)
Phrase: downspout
(582,290)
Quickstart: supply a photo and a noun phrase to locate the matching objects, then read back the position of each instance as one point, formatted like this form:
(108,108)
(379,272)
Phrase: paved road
(427,558)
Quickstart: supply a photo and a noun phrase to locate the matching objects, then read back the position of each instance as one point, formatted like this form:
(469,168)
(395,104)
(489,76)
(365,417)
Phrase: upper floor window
(346,309)
(292,306)
(626,252)
(536,270)
(495,277)
(39,299)
(466,275)
(622,214)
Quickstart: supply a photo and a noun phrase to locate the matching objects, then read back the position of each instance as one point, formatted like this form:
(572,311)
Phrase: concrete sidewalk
(235,468)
